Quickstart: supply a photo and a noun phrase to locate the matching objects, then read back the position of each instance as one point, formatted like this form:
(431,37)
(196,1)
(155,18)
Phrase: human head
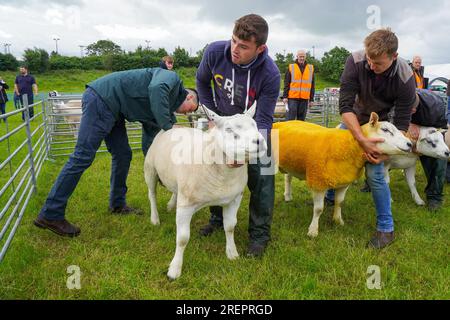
(168,60)
(301,56)
(190,104)
(249,38)
(417,62)
(381,50)
(23,70)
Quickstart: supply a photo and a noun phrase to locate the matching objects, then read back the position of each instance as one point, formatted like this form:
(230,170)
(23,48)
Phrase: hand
(285,100)
(310,104)
(414,131)
(371,151)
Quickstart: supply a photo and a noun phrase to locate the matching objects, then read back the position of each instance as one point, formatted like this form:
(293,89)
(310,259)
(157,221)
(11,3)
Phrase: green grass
(125,257)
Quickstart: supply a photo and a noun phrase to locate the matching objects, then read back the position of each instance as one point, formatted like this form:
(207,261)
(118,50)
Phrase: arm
(16,87)
(35,87)
(404,104)
(350,88)
(266,103)
(158,91)
(313,87)
(287,83)
(203,80)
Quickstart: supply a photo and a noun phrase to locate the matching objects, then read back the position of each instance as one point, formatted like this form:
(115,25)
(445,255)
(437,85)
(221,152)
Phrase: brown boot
(60,227)
(381,239)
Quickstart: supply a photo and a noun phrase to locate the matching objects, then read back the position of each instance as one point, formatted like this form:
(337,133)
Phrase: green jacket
(150,96)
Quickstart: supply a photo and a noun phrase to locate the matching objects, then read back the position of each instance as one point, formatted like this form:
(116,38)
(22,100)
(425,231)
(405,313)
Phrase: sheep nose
(256,141)
(447,154)
(409,144)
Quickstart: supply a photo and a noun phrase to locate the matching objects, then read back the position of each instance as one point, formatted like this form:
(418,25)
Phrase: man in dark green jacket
(149,96)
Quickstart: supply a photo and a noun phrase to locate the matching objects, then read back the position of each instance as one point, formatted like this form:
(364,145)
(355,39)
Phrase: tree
(333,63)
(103,47)
(181,57)
(37,60)
(8,62)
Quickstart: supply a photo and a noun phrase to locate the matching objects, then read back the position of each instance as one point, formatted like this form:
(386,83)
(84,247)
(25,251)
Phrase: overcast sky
(423,27)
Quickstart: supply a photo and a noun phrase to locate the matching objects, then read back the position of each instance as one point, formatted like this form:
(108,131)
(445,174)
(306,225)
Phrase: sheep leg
(172,202)
(410,175)
(338,199)
(318,197)
(229,223)
(151,179)
(287,187)
(184,216)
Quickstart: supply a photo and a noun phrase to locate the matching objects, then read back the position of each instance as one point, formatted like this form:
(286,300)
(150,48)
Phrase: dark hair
(252,25)
(380,42)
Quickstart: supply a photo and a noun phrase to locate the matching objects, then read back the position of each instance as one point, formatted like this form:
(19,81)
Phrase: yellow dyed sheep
(328,158)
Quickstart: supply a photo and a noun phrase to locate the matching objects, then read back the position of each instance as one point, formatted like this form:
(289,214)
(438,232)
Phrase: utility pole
(148,44)
(56,41)
(7,48)
(81,50)
(314,52)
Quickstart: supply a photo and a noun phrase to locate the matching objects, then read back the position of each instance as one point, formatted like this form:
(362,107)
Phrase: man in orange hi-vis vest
(298,87)
(418,70)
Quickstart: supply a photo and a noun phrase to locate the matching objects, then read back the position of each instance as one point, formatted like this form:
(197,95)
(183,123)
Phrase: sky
(423,27)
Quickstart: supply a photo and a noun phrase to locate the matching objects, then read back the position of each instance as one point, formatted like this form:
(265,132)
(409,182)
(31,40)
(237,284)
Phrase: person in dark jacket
(242,72)
(25,85)
(430,113)
(149,96)
(166,63)
(299,87)
(377,80)
(3,96)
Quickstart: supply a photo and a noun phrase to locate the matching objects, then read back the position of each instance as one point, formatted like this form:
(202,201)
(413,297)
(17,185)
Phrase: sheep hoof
(174,273)
(420,202)
(313,233)
(232,254)
(339,221)
(155,221)
(287,198)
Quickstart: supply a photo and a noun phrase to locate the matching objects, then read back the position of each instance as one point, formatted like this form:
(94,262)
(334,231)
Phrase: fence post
(46,129)
(29,140)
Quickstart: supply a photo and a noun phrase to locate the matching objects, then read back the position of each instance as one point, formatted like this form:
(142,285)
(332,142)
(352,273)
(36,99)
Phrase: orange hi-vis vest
(419,81)
(301,83)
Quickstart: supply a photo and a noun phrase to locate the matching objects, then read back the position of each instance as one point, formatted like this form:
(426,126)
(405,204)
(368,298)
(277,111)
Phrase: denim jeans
(381,194)
(448,110)
(297,109)
(97,123)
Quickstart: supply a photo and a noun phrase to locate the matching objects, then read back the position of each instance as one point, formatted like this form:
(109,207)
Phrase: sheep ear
(373,119)
(252,111)
(211,115)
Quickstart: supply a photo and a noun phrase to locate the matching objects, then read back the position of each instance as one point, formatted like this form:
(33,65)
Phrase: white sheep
(192,164)
(328,158)
(430,143)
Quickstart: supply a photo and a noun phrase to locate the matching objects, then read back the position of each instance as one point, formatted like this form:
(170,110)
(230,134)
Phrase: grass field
(125,257)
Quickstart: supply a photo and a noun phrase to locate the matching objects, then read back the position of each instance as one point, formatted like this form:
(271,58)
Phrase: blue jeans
(381,195)
(97,123)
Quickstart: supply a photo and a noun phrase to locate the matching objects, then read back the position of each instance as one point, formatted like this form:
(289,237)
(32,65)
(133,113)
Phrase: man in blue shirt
(26,85)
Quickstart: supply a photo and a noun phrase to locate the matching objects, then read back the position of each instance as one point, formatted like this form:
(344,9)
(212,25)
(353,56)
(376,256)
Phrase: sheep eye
(236,136)
(387,131)
(431,142)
